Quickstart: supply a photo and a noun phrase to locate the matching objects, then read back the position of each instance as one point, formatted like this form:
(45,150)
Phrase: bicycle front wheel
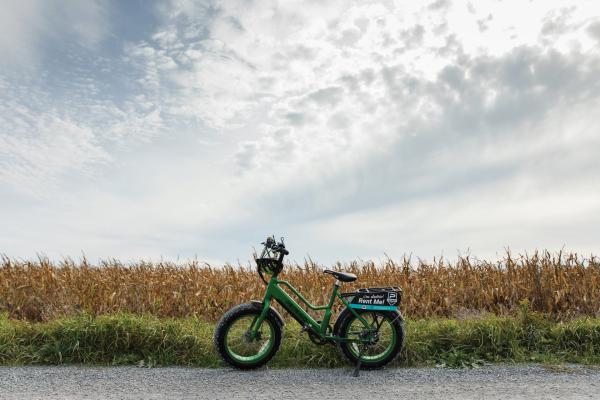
(237,346)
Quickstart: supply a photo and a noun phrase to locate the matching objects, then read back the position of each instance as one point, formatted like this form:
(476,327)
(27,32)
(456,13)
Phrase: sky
(187,129)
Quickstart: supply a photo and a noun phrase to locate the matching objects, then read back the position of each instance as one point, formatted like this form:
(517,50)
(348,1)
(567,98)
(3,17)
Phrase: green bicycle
(368,331)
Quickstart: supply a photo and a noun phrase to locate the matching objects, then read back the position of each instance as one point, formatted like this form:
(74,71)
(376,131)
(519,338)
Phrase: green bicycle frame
(274,291)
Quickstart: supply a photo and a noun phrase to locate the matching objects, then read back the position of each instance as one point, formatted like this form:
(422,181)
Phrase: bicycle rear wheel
(386,344)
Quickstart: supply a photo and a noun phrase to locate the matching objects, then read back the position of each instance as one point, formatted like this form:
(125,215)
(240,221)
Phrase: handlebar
(280,248)
(271,244)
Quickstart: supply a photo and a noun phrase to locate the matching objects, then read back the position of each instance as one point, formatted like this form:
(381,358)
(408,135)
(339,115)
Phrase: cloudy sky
(181,129)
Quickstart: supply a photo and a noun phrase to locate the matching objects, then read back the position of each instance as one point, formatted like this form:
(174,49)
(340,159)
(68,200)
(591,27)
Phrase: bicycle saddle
(342,276)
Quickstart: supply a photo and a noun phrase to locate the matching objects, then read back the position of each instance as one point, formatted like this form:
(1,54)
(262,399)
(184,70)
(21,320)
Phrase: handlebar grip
(280,248)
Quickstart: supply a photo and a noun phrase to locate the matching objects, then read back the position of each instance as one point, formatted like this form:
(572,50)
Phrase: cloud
(381,101)
(594,30)
(329,96)
(37,150)
(27,26)
(51,137)
(489,104)
(365,126)
(481,119)
(65,106)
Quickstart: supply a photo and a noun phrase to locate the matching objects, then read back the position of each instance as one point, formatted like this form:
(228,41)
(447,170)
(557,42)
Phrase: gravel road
(490,382)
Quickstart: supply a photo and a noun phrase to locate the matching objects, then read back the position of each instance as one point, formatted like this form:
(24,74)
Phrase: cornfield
(563,286)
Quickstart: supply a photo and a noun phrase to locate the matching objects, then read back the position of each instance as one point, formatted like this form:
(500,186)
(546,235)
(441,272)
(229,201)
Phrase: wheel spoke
(241,346)
(378,322)
(383,341)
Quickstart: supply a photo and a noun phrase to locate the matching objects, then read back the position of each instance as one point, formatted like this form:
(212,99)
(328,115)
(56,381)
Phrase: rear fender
(395,315)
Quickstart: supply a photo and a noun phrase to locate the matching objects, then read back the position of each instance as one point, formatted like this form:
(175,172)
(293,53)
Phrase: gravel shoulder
(489,382)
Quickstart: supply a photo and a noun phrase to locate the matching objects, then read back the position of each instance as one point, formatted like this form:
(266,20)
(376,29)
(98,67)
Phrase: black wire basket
(269,266)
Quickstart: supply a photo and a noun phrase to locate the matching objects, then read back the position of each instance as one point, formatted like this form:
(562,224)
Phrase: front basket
(269,266)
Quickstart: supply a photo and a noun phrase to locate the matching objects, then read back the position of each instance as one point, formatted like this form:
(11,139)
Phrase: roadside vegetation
(562,286)
(150,341)
(541,307)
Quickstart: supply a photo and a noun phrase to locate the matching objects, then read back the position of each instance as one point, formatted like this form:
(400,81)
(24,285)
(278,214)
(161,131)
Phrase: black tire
(349,349)
(235,314)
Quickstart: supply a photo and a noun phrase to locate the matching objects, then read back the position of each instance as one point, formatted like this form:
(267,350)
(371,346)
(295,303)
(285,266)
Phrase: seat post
(334,292)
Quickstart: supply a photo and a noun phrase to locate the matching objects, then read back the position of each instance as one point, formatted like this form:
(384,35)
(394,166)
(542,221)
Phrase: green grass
(150,341)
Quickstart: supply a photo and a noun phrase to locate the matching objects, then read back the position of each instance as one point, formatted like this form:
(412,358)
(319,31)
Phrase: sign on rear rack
(384,298)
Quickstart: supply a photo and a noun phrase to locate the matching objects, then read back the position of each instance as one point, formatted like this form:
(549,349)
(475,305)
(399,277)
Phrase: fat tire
(341,326)
(232,315)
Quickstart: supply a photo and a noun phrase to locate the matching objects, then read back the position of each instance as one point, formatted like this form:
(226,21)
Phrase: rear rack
(380,289)
(373,290)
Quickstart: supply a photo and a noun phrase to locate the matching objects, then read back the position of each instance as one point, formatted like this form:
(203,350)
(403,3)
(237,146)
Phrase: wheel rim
(243,349)
(385,343)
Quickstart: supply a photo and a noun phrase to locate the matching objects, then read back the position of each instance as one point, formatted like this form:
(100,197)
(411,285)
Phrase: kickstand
(357,368)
